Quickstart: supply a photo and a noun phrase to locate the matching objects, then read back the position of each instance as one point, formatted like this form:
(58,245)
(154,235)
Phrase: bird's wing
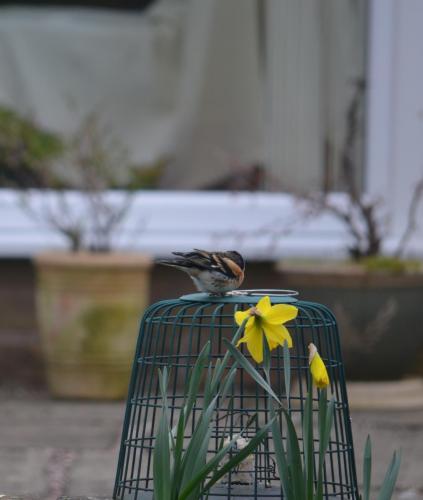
(211,261)
(181,263)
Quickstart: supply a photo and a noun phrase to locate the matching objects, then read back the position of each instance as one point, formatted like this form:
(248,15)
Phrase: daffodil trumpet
(317,368)
(263,319)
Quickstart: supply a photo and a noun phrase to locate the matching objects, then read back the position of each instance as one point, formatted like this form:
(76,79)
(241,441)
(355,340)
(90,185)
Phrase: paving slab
(22,471)
(389,431)
(93,473)
(62,424)
(68,450)
(50,448)
(404,394)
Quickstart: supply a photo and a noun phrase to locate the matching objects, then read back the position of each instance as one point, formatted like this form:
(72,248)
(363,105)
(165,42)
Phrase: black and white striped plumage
(212,272)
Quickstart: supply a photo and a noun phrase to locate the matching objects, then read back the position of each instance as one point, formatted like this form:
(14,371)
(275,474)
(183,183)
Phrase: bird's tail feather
(178,263)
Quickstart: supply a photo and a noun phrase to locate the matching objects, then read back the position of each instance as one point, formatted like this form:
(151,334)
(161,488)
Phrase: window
(315,74)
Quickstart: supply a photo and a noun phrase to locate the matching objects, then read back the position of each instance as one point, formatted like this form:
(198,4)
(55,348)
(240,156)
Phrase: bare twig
(411,225)
(360,214)
(348,164)
(368,241)
(107,216)
(93,163)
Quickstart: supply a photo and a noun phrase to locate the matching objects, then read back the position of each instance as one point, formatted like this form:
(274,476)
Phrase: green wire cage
(173,333)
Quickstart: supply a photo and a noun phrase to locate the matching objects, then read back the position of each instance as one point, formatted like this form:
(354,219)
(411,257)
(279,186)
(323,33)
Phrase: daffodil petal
(247,331)
(272,345)
(240,316)
(319,372)
(254,339)
(281,313)
(276,335)
(255,343)
(264,305)
(242,340)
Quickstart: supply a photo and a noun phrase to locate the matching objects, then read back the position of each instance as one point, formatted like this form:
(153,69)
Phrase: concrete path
(50,449)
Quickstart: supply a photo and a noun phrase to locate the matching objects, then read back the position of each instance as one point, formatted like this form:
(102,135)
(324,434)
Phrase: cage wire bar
(172,334)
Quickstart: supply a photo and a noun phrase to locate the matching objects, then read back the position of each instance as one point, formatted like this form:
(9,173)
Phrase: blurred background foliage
(25,150)
(34,157)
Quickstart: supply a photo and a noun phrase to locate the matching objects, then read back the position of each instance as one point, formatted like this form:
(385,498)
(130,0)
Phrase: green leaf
(196,453)
(266,358)
(239,457)
(177,453)
(200,435)
(391,477)
(216,376)
(248,367)
(308,443)
(163,384)
(195,379)
(200,463)
(228,382)
(225,431)
(323,407)
(294,459)
(216,459)
(280,454)
(227,418)
(161,457)
(327,427)
(326,413)
(200,477)
(287,372)
(367,469)
(208,392)
(219,370)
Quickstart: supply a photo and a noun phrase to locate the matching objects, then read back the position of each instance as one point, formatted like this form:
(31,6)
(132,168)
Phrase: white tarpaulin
(179,80)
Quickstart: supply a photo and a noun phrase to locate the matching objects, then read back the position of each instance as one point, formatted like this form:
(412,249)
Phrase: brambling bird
(213,272)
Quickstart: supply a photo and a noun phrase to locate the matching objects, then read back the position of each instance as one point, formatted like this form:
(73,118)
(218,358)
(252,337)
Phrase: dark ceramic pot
(380,315)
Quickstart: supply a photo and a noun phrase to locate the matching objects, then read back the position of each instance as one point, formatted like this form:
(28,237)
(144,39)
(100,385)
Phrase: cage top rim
(245,296)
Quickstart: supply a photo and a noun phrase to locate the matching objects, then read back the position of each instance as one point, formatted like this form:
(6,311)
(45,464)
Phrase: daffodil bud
(317,368)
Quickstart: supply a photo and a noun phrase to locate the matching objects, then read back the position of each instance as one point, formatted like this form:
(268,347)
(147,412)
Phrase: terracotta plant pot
(88,308)
(379,314)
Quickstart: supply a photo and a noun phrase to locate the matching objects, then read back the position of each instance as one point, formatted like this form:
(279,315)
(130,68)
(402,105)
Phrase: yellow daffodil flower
(317,368)
(265,319)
